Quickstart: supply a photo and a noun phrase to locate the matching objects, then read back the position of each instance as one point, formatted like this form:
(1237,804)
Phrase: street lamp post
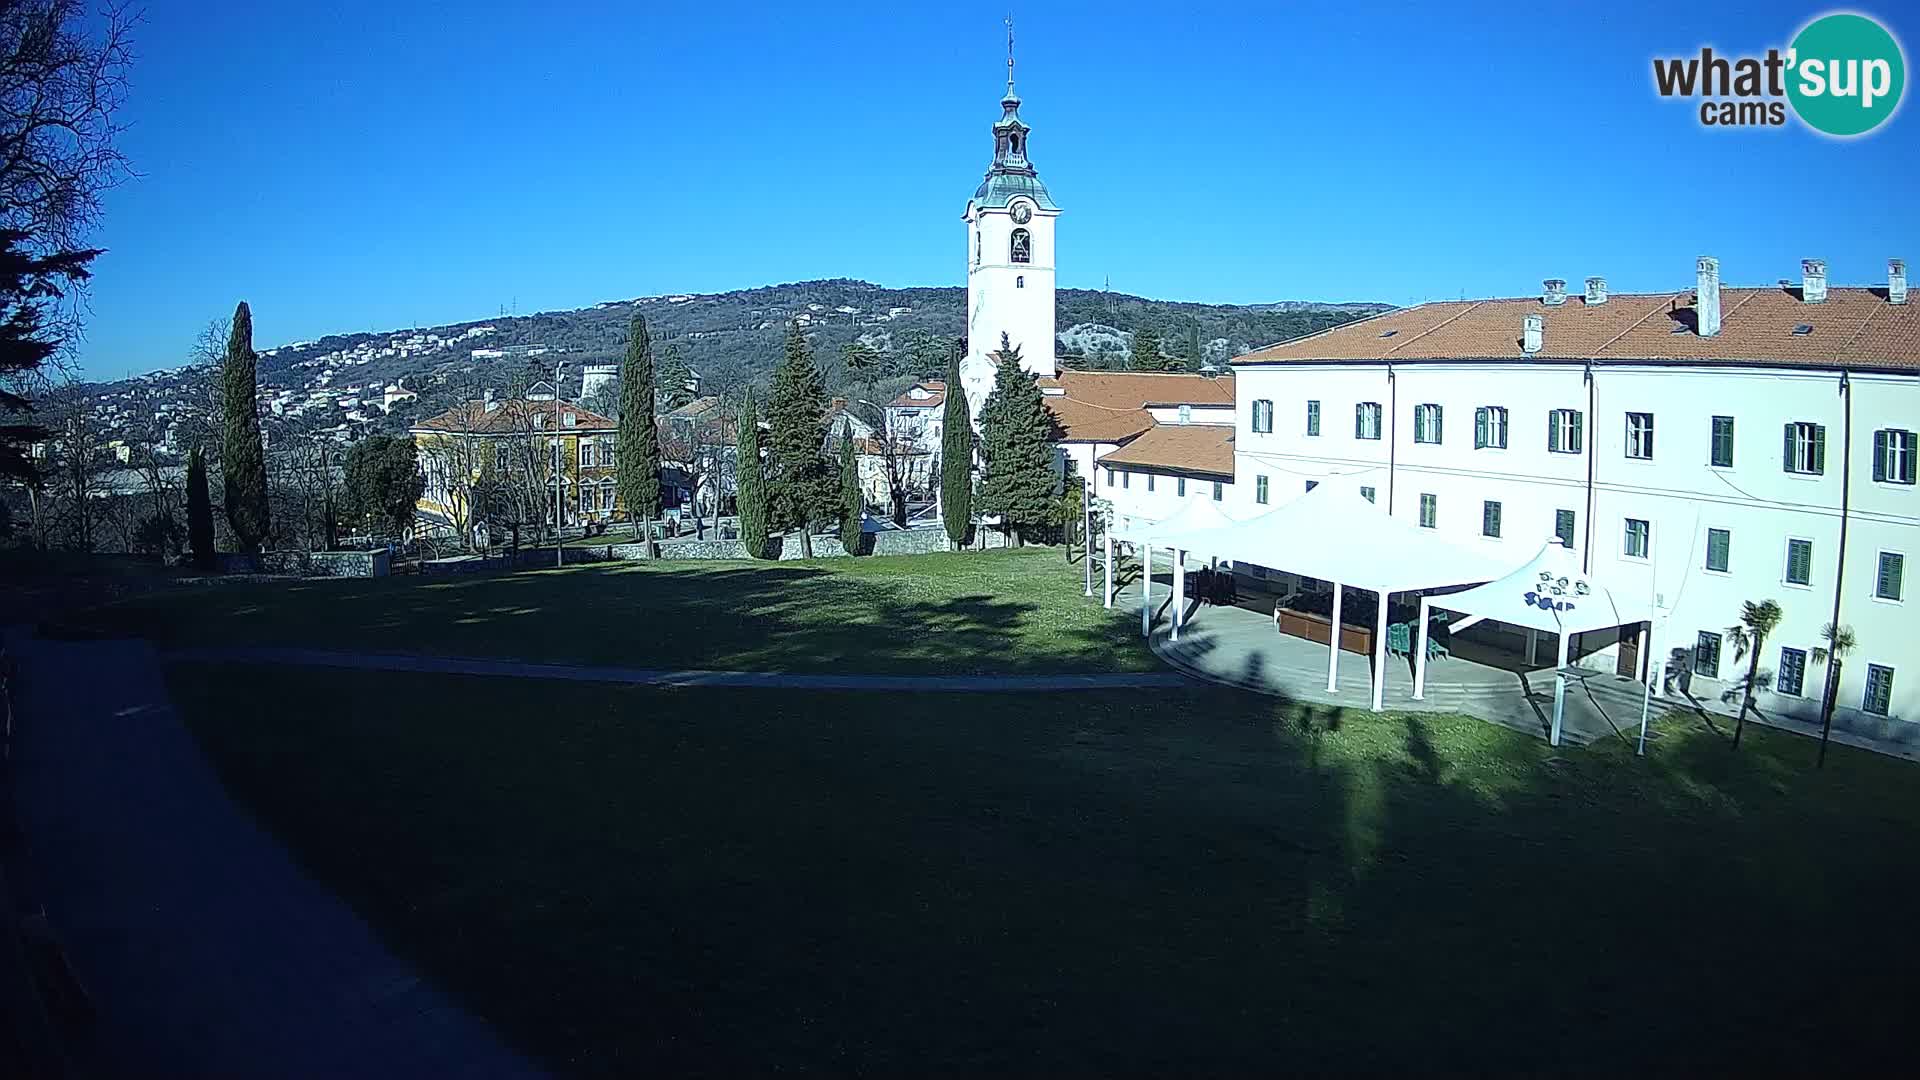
(559,458)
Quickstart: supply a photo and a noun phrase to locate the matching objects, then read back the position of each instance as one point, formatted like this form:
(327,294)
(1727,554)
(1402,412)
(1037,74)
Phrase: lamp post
(559,458)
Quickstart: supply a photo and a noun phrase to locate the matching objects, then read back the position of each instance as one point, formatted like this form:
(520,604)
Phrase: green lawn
(996,612)
(1181,881)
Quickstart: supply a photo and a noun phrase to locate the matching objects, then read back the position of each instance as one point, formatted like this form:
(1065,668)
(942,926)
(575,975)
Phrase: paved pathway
(207,951)
(765,680)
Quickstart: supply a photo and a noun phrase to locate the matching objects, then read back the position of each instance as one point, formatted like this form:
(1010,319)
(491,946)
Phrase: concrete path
(206,950)
(756,680)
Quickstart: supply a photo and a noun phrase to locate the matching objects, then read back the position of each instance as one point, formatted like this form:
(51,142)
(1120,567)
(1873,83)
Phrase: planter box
(1318,628)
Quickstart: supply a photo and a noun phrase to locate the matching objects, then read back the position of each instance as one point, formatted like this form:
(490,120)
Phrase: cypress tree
(956,457)
(852,503)
(1146,351)
(1018,481)
(199,510)
(637,471)
(751,490)
(243,458)
(800,490)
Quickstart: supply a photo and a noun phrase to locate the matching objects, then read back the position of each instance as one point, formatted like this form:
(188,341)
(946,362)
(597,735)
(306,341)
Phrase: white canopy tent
(1195,515)
(1333,534)
(1548,594)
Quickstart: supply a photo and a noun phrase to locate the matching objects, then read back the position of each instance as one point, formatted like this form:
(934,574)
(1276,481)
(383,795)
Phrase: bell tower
(1010,257)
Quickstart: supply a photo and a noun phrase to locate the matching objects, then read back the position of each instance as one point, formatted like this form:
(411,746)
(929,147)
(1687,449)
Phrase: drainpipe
(1839,563)
(1393,415)
(1593,433)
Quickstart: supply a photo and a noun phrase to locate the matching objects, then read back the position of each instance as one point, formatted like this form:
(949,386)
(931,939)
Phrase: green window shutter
(1819,449)
(1880,455)
(1579,420)
(1906,465)
(1553,430)
(1437,417)
(1479,429)
(1892,569)
(1359,420)
(1786,455)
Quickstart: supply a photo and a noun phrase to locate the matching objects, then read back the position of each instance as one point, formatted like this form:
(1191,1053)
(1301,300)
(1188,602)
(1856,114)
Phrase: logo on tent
(1546,595)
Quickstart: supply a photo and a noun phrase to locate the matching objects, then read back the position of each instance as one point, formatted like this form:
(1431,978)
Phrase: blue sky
(383,165)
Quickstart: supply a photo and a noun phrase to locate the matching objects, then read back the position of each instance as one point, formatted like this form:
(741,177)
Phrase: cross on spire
(1009,54)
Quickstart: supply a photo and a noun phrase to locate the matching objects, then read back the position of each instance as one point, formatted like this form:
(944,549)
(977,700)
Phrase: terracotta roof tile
(1111,406)
(1855,327)
(510,416)
(936,397)
(1192,448)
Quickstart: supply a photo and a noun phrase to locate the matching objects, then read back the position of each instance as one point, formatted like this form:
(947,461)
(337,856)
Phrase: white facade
(1006,295)
(1758,513)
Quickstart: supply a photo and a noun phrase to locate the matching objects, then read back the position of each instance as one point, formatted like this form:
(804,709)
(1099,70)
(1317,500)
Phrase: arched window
(1020,281)
(976,245)
(1022,246)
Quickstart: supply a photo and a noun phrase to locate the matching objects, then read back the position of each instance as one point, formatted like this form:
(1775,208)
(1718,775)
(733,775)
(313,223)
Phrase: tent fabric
(1199,513)
(1550,593)
(1333,534)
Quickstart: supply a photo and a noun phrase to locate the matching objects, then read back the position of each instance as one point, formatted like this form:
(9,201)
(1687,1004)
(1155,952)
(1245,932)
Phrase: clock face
(1022,213)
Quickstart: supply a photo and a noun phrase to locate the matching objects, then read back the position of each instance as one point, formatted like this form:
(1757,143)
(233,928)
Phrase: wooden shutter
(1880,454)
(1786,455)
(1906,462)
(1819,449)
(1579,420)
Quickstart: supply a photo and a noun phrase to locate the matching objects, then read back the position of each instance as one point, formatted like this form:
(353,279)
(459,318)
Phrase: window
(1262,416)
(586,499)
(1886,580)
(500,457)
(1640,436)
(1020,281)
(1490,428)
(570,419)
(1718,541)
(1186,415)
(1799,562)
(1563,431)
(1893,456)
(1792,675)
(1180,485)
(606,452)
(1260,490)
(1313,418)
(1706,655)
(1806,449)
(1637,540)
(1367,493)
(1022,246)
(1563,527)
(1879,695)
(1429,511)
(1722,448)
(976,245)
(606,497)
(587,451)
(1311,484)
(1426,423)
(1149,481)
(1366,420)
(1219,489)
(1126,478)
(1490,518)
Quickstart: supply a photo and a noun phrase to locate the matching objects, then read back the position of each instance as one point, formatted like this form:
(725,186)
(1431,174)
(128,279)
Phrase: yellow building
(512,446)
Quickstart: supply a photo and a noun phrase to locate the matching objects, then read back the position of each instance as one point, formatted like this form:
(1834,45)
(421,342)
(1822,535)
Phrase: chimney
(1596,291)
(1896,281)
(1813,281)
(1532,329)
(487,400)
(1706,296)
(1556,293)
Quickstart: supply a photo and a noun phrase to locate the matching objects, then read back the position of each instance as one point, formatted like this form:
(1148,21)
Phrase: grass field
(998,612)
(1195,880)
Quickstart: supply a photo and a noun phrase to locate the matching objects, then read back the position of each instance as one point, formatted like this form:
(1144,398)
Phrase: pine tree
(956,457)
(637,469)
(1146,351)
(199,510)
(1018,482)
(801,489)
(751,489)
(674,377)
(243,458)
(853,504)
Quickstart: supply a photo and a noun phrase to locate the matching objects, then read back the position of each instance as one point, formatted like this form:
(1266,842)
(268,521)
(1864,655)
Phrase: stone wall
(340,564)
(781,548)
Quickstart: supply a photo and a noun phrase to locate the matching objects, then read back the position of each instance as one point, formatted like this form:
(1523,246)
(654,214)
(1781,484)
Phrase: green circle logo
(1846,74)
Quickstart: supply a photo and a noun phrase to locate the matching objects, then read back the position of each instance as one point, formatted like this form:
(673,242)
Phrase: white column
(1333,640)
(1533,641)
(1559,690)
(1380,652)
(1146,590)
(1645,660)
(1179,593)
(1420,655)
(1106,595)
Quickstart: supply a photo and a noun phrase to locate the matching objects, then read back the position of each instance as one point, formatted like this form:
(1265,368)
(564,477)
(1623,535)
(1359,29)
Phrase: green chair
(1435,650)
(1399,639)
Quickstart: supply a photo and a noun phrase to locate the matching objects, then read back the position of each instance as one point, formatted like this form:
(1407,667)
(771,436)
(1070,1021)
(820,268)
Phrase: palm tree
(1756,622)
(1839,642)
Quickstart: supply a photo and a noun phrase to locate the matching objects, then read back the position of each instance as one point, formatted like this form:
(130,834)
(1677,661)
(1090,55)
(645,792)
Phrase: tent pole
(1179,593)
(1333,643)
(1106,543)
(1533,641)
(1646,703)
(1420,656)
(1146,590)
(1380,652)
(1559,690)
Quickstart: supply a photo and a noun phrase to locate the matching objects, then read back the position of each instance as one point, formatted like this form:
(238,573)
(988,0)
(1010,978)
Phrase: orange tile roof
(1111,406)
(509,417)
(1189,448)
(1855,328)
(937,396)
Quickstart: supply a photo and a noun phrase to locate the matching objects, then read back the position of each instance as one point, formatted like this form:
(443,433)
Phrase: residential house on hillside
(516,446)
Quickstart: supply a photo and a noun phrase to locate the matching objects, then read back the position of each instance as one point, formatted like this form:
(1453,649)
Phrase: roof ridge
(1468,310)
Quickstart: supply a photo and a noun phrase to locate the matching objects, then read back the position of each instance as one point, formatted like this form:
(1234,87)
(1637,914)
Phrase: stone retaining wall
(339,564)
